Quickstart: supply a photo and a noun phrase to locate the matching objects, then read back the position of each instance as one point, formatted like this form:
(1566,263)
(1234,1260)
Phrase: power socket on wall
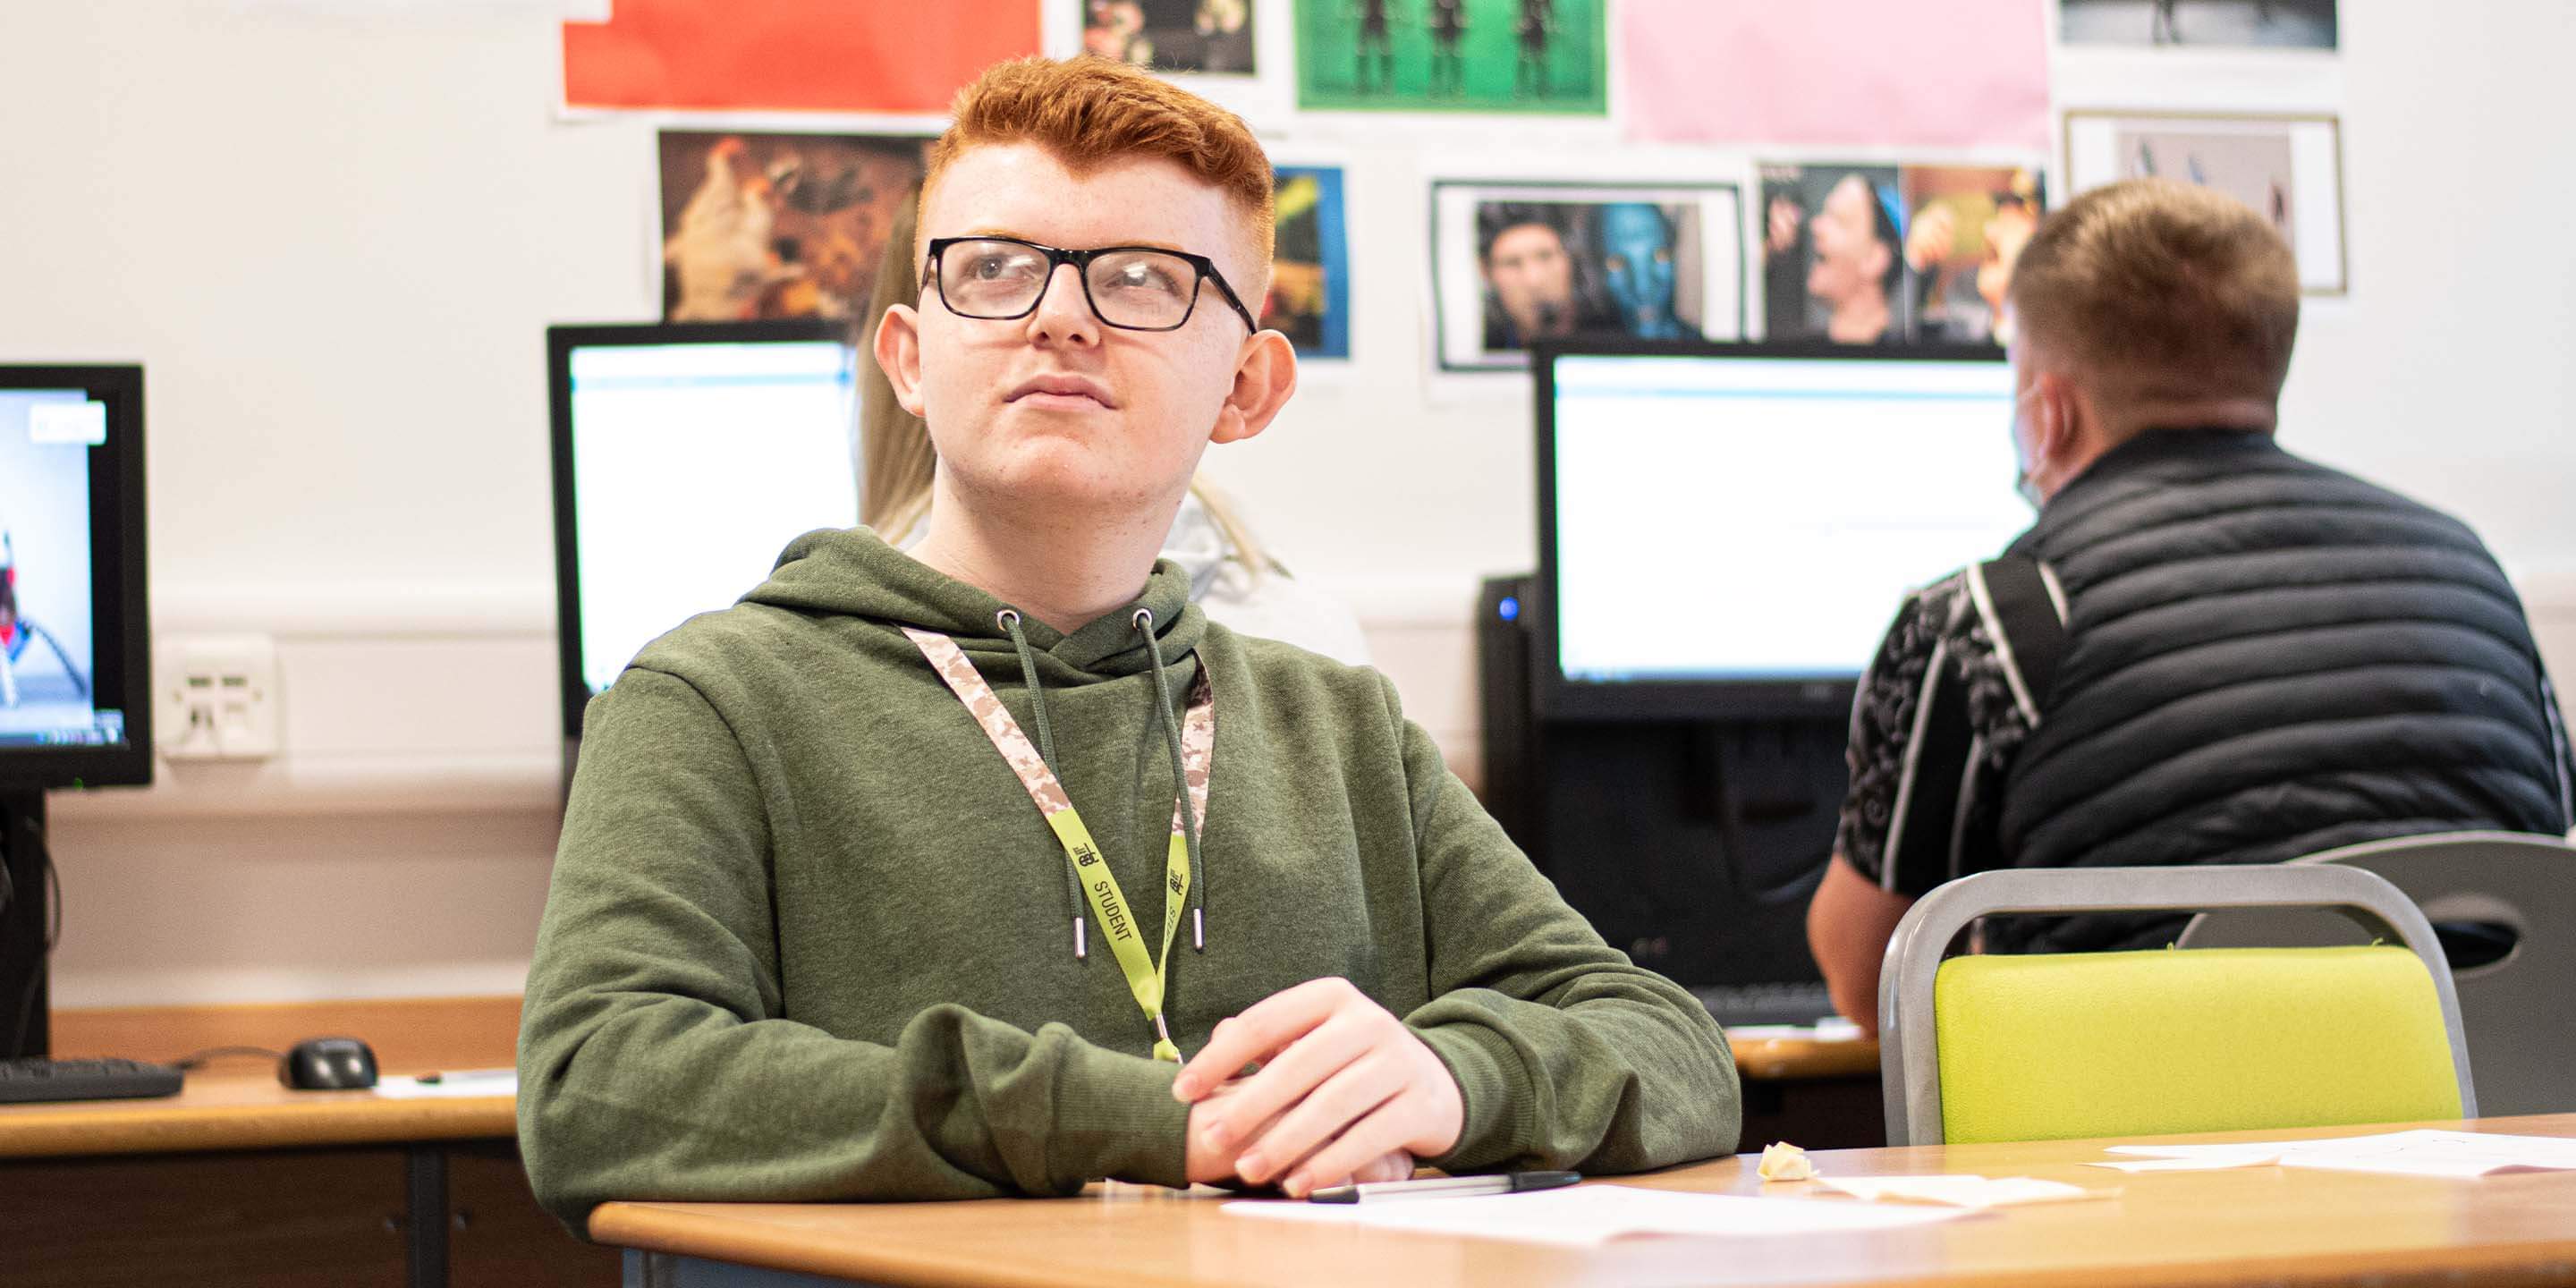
(219,697)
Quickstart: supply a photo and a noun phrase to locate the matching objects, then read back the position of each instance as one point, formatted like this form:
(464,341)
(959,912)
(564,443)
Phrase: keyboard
(1740,1004)
(25,1081)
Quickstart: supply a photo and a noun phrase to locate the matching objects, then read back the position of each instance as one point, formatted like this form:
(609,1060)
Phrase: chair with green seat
(2064,1045)
(2504,907)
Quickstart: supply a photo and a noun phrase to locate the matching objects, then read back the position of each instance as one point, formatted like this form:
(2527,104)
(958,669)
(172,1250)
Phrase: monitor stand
(24,911)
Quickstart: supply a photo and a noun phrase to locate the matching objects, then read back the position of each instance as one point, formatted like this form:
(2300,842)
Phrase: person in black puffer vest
(2228,654)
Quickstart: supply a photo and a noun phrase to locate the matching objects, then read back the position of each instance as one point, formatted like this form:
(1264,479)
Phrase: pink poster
(1837,73)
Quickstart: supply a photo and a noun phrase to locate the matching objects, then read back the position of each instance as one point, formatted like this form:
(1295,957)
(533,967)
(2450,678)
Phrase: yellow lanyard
(1146,978)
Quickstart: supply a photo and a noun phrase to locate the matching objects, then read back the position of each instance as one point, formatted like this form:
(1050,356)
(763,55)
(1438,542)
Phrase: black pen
(1444,1187)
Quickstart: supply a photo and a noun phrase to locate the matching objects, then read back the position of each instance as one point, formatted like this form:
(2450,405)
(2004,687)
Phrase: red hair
(1089,111)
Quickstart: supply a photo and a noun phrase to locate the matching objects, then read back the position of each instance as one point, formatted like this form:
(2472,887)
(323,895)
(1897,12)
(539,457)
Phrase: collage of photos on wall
(1885,254)
(1913,241)
(1519,262)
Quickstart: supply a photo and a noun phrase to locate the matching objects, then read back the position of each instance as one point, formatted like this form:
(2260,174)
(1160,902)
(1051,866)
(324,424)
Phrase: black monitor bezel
(120,609)
(1769,698)
(561,340)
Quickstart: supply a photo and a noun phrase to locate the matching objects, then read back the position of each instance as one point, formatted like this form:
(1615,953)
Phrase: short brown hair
(2162,289)
(1089,111)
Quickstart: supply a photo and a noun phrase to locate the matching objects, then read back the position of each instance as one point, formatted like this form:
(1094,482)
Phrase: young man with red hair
(991,868)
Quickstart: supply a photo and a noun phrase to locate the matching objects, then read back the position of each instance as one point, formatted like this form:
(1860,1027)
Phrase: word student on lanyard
(1146,978)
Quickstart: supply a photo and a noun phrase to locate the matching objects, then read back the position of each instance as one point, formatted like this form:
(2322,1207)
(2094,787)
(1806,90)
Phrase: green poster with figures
(1453,56)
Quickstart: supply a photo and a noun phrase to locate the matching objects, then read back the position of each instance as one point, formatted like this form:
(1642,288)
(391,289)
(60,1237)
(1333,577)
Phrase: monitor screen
(73,624)
(1726,528)
(686,458)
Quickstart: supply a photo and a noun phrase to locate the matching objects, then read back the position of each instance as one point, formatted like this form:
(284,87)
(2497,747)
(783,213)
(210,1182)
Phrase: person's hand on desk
(1345,1093)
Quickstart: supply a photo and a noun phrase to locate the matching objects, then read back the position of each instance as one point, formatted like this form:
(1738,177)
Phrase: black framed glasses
(1133,288)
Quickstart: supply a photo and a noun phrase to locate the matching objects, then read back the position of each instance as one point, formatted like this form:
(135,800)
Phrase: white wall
(334,230)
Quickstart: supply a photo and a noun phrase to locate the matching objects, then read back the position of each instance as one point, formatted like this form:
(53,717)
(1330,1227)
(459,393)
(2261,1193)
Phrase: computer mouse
(328,1064)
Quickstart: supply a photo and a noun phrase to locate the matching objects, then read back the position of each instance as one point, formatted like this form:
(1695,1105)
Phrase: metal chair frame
(1909,1050)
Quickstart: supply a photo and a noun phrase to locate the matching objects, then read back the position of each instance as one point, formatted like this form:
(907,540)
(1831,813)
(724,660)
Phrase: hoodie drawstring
(1144,623)
(1009,621)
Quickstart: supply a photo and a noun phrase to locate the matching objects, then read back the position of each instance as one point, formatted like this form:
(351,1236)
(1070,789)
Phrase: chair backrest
(2159,1041)
(2519,1009)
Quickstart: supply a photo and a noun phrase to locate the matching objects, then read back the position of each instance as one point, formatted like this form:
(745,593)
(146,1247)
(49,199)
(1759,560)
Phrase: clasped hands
(1345,1094)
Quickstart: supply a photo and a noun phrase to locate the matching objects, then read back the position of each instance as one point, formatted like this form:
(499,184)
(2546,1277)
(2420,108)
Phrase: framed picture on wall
(1310,273)
(777,225)
(1514,262)
(2288,168)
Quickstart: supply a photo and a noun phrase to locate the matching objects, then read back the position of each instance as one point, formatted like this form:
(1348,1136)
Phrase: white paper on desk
(451,1086)
(2422,1152)
(1590,1215)
(2200,1162)
(1959,1191)
(1834,1029)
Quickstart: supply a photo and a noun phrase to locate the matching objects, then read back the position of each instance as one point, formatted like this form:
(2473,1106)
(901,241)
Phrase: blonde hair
(2164,289)
(1090,111)
(896,459)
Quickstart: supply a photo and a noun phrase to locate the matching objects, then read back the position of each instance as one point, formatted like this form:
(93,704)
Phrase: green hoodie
(809,939)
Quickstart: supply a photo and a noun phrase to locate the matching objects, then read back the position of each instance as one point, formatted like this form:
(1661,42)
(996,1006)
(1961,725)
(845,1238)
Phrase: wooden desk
(240,1180)
(1822,1093)
(1806,1057)
(239,1110)
(237,1164)
(2269,1225)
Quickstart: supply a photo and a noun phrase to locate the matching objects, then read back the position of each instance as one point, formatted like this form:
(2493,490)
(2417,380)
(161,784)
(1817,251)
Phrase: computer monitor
(75,641)
(1726,529)
(686,457)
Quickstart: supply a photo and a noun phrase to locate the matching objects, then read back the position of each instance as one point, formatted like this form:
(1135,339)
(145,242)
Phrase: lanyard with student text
(1146,978)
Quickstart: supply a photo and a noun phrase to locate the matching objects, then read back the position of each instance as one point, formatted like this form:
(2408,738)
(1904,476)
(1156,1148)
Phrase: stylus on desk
(1444,1187)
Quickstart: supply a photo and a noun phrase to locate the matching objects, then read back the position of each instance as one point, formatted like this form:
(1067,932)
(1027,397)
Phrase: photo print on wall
(1453,55)
(2199,24)
(2288,168)
(1884,254)
(761,226)
(1212,37)
(1518,262)
(1310,274)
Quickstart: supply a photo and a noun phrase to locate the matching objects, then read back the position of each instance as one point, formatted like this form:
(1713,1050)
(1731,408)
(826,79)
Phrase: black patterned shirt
(1924,791)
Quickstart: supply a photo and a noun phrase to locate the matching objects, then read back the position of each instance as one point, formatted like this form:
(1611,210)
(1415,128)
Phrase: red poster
(876,56)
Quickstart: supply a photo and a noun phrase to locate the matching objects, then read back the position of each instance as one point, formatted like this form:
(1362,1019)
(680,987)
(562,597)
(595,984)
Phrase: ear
(898,353)
(2058,413)
(1265,375)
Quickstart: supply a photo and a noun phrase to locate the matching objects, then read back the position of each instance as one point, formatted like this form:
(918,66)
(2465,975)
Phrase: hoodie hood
(851,572)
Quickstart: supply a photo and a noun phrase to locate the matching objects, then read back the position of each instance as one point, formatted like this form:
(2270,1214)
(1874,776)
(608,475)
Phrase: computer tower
(1505,700)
